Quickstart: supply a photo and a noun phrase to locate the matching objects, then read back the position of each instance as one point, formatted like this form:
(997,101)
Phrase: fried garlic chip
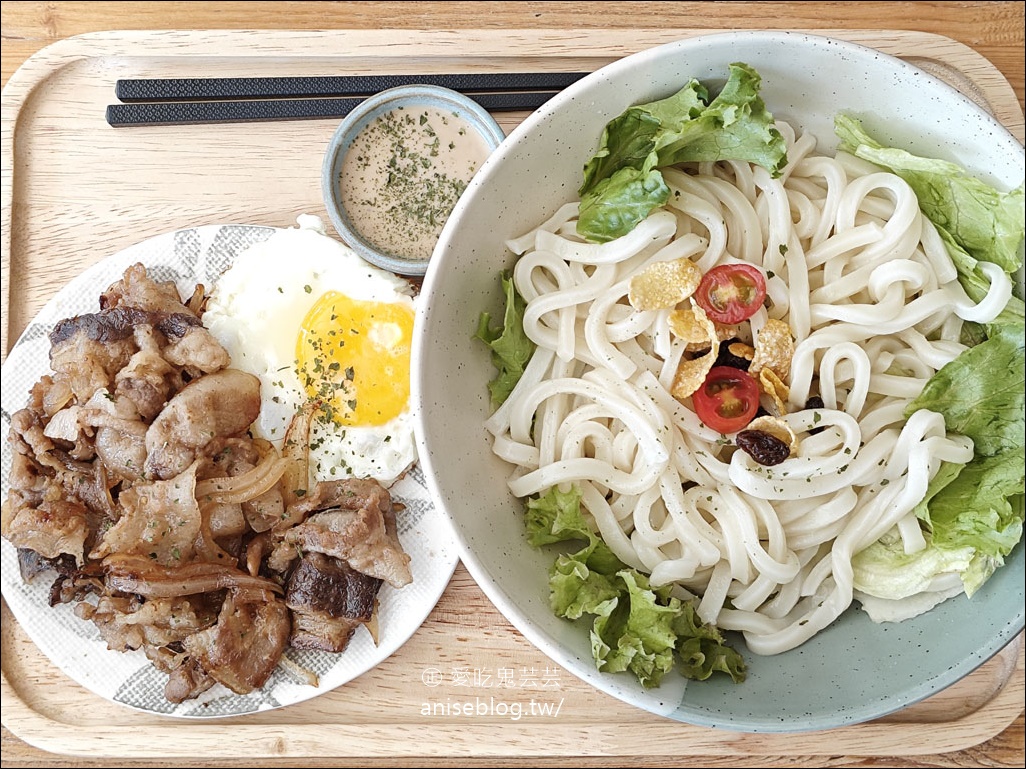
(725,332)
(692,373)
(662,285)
(779,392)
(774,349)
(778,428)
(692,329)
(741,350)
(686,327)
(699,340)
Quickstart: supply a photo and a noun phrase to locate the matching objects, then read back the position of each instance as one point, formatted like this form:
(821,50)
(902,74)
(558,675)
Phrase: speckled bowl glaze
(403,96)
(854,670)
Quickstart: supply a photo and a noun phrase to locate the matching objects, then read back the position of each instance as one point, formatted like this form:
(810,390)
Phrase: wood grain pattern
(44,230)
(994,29)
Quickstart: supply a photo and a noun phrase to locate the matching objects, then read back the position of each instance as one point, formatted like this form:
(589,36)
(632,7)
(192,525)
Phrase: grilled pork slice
(185,681)
(162,521)
(329,601)
(219,405)
(244,647)
(56,503)
(355,523)
(319,630)
(190,345)
(87,351)
(128,622)
(50,527)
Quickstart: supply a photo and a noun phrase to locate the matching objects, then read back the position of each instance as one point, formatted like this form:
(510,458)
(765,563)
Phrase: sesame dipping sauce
(396,167)
(404,173)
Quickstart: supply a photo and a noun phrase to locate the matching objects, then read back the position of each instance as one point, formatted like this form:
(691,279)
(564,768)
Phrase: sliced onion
(138,575)
(242,488)
(296,450)
(57,396)
(303,674)
(103,486)
(257,548)
(197,301)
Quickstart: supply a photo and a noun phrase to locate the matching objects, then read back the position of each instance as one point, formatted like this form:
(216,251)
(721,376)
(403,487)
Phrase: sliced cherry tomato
(728,399)
(731,293)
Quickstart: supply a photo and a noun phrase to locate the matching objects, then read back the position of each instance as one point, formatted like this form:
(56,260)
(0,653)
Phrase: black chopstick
(267,110)
(232,88)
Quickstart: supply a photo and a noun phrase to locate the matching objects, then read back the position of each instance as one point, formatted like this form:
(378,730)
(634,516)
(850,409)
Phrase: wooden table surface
(994,29)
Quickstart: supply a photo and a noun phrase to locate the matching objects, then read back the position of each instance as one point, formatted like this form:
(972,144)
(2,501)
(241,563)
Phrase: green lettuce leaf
(619,203)
(635,631)
(974,520)
(576,590)
(629,140)
(981,395)
(701,650)
(511,347)
(735,126)
(885,570)
(622,183)
(556,517)
(946,474)
(978,506)
(987,223)
(973,513)
(636,628)
(976,286)
(979,509)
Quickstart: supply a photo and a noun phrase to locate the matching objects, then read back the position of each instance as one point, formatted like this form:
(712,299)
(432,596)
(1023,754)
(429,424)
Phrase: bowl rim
(504,602)
(355,121)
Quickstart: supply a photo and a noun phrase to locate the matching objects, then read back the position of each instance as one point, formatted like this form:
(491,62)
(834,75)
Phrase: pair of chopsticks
(187,101)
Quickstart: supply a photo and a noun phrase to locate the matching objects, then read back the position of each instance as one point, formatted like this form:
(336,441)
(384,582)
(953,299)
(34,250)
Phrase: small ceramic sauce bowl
(395,168)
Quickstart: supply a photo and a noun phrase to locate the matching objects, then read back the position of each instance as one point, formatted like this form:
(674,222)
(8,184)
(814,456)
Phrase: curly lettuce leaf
(735,126)
(635,631)
(511,347)
(635,628)
(622,184)
(701,650)
(647,630)
(575,589)
(556,517)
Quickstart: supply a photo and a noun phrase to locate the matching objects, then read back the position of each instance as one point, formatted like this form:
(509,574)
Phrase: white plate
(189,256)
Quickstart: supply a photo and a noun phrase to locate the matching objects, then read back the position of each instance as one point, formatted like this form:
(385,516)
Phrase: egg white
(256,309)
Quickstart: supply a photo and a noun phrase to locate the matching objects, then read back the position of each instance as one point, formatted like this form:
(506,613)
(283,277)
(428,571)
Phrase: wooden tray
(75,190)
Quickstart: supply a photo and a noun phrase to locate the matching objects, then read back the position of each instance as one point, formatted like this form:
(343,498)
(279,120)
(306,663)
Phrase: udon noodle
(870,294)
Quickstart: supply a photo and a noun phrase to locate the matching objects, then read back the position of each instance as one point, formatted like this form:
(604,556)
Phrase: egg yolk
(354,357)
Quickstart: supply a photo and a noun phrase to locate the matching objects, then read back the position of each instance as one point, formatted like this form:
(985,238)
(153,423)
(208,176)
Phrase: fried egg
(314,321)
